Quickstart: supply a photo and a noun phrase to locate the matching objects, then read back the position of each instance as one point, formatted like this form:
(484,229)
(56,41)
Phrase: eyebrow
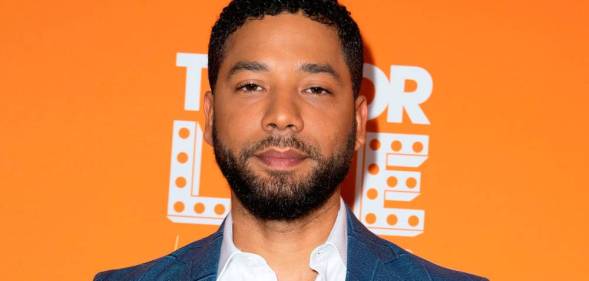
(320,68)
(247,65)
(260,67)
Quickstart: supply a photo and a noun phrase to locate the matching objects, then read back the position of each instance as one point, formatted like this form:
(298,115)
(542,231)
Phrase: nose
(282,115)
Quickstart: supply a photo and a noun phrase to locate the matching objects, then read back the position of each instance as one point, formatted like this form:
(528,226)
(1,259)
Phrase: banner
(475,158)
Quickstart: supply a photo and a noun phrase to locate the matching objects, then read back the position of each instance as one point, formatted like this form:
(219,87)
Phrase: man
(284,117)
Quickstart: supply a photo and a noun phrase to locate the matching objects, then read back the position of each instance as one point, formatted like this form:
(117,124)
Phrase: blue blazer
(370,258)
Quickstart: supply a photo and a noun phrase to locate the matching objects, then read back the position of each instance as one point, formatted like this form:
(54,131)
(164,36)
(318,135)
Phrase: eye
(317,91)
(249,87)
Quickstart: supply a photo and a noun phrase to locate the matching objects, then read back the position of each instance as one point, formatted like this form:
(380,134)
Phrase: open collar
(337,237)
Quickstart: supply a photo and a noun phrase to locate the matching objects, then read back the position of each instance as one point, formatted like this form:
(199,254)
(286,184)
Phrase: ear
(361,118)
(209,106)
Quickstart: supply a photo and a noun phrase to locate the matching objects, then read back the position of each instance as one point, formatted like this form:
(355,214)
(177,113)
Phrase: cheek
(328,130)
(236,127)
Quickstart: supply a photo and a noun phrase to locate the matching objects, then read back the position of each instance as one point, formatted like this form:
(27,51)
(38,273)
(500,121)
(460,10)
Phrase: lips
(281,159)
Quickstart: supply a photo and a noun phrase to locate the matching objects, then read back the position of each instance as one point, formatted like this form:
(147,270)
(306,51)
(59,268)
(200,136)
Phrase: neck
(285,245)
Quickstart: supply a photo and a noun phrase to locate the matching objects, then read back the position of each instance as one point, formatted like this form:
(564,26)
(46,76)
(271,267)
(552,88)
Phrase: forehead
(285,39)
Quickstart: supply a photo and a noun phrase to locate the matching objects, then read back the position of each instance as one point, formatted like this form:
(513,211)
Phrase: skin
(269,84)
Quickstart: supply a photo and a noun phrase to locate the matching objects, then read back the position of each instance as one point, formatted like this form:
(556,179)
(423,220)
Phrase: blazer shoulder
(391,261)
(440,273)
(418,266)
(177,265)
(138,272)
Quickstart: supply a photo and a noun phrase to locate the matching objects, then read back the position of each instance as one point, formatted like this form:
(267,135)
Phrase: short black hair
(328,12)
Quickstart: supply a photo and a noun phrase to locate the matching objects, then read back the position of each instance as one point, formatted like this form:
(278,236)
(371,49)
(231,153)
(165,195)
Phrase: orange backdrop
(89,93)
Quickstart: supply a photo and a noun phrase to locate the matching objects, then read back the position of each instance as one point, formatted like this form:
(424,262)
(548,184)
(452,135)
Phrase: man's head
(285,117)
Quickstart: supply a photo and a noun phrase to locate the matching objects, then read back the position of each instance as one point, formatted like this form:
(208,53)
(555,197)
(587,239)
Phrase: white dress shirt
(328,259)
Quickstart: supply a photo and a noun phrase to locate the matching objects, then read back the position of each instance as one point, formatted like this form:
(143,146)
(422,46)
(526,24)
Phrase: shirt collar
(339,233)
(338,237)
(228,249)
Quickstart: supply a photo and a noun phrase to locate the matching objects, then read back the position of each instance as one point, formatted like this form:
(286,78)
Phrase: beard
(282,195)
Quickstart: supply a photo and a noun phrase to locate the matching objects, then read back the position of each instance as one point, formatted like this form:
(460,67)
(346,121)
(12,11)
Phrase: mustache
(281,142)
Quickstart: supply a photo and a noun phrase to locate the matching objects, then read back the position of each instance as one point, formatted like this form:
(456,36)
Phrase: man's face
(283,120)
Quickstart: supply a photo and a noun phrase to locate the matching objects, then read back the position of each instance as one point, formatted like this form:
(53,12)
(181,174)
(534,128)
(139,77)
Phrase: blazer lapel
(205,259)
(367,254)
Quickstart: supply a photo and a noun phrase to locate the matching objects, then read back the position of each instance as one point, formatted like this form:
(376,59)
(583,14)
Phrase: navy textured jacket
(370,258)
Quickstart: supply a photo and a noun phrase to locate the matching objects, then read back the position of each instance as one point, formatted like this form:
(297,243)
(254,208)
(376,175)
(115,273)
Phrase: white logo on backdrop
(387,167)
